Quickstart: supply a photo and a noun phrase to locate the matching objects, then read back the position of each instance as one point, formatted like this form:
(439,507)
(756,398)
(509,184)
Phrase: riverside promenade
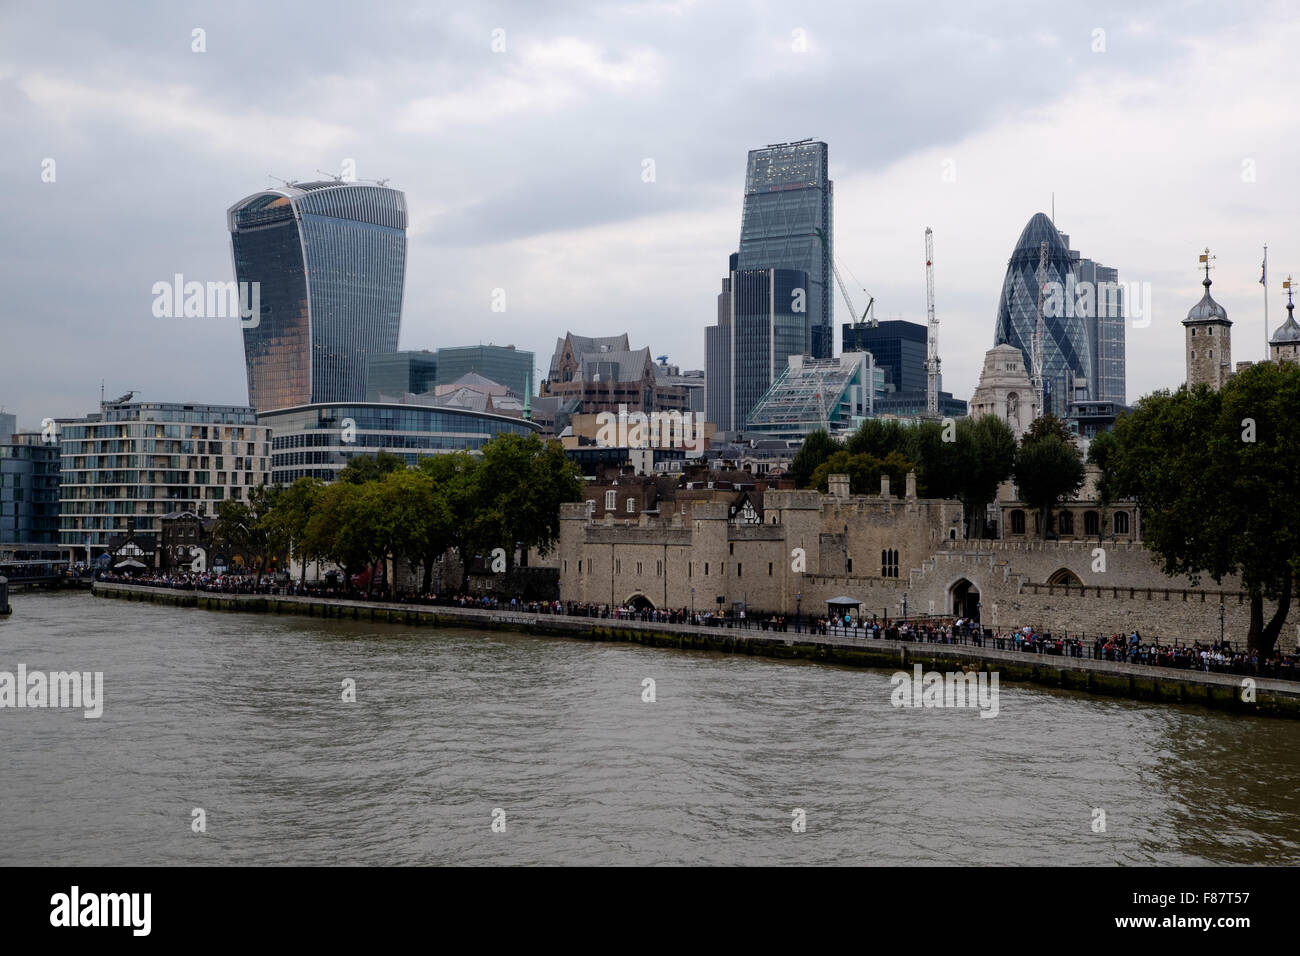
(1222,692)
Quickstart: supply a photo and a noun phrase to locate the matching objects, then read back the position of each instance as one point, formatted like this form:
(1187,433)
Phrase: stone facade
(884,551)
(1208,337)
(1005,390)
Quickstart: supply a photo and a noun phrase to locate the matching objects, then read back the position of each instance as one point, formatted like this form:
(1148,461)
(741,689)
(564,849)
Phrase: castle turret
(1208,338)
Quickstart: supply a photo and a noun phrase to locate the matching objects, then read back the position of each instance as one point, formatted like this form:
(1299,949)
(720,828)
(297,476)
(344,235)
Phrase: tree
(864,472)
(878,437)
(341,529)
(1216,476)
(363,468)
(1047,470)
(816,448)
(292,514)
(1100,450)
(986,456)
(1049,424)
(251,529)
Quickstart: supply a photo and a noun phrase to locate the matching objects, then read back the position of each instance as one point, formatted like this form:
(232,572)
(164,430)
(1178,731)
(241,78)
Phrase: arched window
(1066,522)
(1017,522)
(1121,522)
(1091,523)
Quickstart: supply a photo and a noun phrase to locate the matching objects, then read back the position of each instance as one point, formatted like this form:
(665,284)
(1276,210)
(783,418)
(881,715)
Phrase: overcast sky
(1160,132)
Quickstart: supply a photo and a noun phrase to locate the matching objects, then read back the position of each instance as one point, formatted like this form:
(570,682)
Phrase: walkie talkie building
(330,262)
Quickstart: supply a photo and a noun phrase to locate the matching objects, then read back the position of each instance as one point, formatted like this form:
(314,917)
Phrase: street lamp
(904,607)
(1220,623)
(798,611)
(692,605)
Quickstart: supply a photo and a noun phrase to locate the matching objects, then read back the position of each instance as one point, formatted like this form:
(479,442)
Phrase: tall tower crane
(1040,329)
(844,289)
(932,334)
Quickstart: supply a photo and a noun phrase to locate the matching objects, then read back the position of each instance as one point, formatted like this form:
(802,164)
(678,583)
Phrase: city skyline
(499,201)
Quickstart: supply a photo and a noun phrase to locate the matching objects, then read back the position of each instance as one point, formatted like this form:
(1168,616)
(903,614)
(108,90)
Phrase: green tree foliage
(508,496)
(986,455)
(292,513)
(1048,469)
(251,528)
(864,471)
(363,468)
(965,459)
(816,448)
(1217,478)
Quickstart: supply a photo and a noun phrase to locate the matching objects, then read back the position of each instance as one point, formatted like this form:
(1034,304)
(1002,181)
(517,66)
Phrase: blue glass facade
(330,262)
(757,331)
(1067,351)
(788,199)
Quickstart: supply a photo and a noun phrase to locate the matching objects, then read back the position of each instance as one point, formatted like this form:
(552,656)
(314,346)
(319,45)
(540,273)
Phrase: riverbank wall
(1222,692)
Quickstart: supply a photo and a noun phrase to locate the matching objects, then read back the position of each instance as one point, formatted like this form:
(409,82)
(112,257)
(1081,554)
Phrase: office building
(29,489)
(317,441)
(897,346)
(1100,298)
(604,373)
(759,328)
(1067,349)
(126,466)
(329,260)
(394,374)
(833,395)
(506,364)
(786,225)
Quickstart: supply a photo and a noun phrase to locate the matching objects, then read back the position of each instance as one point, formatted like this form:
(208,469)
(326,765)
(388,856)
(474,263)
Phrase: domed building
(1284,346)
(1005,390)
(1208,339)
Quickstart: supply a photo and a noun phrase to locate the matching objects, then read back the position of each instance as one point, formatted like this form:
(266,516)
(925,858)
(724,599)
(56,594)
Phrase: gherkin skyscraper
(1067,352)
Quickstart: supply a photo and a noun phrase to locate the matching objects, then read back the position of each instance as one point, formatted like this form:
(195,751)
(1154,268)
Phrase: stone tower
(1208,338)
(1284,346)
(1005,390)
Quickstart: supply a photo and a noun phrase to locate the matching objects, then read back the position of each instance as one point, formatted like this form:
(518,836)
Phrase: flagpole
(1265,281)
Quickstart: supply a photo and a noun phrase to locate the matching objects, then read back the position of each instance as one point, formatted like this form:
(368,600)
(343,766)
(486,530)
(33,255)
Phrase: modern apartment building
(138,461)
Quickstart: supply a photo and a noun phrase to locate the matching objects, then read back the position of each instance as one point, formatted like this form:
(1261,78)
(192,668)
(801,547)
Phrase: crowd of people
(1213,657)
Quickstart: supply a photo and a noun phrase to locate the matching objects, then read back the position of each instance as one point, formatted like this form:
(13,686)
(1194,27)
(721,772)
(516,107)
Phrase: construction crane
(1036,352)
(932,334)
(844,289)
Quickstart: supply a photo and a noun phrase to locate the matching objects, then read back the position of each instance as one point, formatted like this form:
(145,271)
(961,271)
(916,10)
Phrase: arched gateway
(964,599)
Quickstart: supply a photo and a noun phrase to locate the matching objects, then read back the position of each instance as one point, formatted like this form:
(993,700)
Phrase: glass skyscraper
(757,331)
(775,300)
(1067,350)
(788,200)
(330,260)
(504,364)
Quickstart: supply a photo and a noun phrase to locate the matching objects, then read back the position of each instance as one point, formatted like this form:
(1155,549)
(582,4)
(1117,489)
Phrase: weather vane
(1207,259)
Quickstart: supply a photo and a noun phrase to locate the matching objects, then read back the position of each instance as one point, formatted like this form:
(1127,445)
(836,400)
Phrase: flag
(1263,271)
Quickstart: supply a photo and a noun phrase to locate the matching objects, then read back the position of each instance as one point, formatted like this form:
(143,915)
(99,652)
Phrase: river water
(243,716)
